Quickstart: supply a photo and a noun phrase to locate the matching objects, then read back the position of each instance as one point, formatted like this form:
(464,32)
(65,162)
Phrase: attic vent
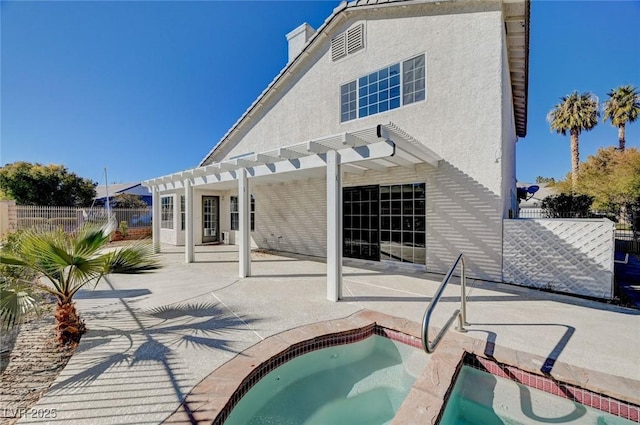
(348,42)
(355,38)
(338,47)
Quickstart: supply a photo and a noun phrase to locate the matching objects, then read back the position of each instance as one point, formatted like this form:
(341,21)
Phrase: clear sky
(147,88)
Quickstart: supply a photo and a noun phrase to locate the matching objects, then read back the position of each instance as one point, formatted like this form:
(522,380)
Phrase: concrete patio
(153,337)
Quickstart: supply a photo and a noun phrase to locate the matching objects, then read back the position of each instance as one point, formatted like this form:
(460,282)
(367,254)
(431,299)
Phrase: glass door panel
(402,223)
(361,206)
(210,219)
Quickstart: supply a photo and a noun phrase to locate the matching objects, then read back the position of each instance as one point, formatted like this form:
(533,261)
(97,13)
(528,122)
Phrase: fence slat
(627,224)
(70,218)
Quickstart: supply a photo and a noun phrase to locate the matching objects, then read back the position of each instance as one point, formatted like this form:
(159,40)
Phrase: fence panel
(567,255)
(134,217)
(70,218)
(627,223)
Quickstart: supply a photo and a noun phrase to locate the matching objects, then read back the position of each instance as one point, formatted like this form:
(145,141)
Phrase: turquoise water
(361,383)
(479,398)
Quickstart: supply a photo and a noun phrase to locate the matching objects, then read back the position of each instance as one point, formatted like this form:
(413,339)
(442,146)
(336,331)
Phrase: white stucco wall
(461,117)
(176,236)
(287,221)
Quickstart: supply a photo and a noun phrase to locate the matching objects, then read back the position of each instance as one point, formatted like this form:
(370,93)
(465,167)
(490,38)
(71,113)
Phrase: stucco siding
(292,217)
(463,216)
(460,118)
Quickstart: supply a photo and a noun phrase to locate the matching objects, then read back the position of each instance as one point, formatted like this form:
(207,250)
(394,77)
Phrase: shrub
(124,227)
(567,206)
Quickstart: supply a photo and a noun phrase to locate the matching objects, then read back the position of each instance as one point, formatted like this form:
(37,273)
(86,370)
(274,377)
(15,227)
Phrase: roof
(516,16)
(114,189)
(537,197)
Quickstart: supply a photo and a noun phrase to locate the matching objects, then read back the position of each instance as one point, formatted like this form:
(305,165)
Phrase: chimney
(298,39)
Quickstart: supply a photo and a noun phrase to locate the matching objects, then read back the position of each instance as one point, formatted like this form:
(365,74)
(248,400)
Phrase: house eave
(343,12)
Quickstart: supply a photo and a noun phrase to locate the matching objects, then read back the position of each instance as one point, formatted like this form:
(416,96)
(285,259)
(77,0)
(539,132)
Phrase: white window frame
(237,213)
(402,94)
(166,212)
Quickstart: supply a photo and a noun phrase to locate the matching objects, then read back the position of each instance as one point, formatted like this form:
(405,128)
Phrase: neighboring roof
(114,189)
(537,197)
(516,16)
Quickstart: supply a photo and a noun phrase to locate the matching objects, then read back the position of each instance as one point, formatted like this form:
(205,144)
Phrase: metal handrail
(461,313)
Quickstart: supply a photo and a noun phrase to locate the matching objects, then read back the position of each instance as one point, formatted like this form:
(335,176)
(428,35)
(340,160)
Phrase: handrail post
(460,314)
(462,317)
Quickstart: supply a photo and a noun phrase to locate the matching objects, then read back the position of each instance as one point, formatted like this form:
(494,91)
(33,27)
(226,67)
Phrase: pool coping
(425,401)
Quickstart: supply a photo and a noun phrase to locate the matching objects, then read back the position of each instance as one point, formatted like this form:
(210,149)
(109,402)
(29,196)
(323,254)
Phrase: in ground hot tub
(482,398)
(359,383)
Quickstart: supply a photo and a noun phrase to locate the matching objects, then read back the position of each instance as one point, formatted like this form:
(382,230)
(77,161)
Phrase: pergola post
(155,218)
(244,207)
(189,255)
(334,226)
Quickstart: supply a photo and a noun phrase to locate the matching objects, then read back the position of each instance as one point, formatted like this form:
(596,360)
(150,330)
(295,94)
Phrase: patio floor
(153,337)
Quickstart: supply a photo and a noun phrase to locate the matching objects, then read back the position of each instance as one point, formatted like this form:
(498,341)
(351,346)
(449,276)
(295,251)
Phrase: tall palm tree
(623,106)
(64,264)
(574,114)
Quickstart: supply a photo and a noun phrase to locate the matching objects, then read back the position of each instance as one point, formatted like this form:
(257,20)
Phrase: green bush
(567,206)
(10,245)
(124,228)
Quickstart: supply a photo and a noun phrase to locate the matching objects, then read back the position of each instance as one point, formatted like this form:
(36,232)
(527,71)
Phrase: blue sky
(147,88)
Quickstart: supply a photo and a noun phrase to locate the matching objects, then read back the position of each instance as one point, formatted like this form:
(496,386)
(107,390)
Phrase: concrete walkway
(153,337)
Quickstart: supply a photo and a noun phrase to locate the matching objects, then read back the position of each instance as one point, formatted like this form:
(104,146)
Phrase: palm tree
(64,264)
(576,113)
(623,106)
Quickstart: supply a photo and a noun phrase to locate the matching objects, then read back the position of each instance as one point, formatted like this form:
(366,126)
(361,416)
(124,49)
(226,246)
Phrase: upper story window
(388,88)
(166,212)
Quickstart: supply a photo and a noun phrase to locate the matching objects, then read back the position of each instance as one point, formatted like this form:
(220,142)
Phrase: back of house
(445,81)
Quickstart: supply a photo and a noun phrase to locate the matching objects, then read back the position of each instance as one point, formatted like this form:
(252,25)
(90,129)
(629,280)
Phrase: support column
(189,255)
(334,226)
(244,211)
(155,218)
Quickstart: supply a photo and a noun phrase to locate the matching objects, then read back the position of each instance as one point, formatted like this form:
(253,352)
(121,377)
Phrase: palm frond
(11,261)
(622,106)
(16,301)
(575,113)
(135,258)
(89,240)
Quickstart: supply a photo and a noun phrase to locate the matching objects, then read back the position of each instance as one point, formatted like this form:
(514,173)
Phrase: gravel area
(31,361)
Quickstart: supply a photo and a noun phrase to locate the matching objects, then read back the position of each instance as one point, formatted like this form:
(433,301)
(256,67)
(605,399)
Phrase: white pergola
(375,148)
